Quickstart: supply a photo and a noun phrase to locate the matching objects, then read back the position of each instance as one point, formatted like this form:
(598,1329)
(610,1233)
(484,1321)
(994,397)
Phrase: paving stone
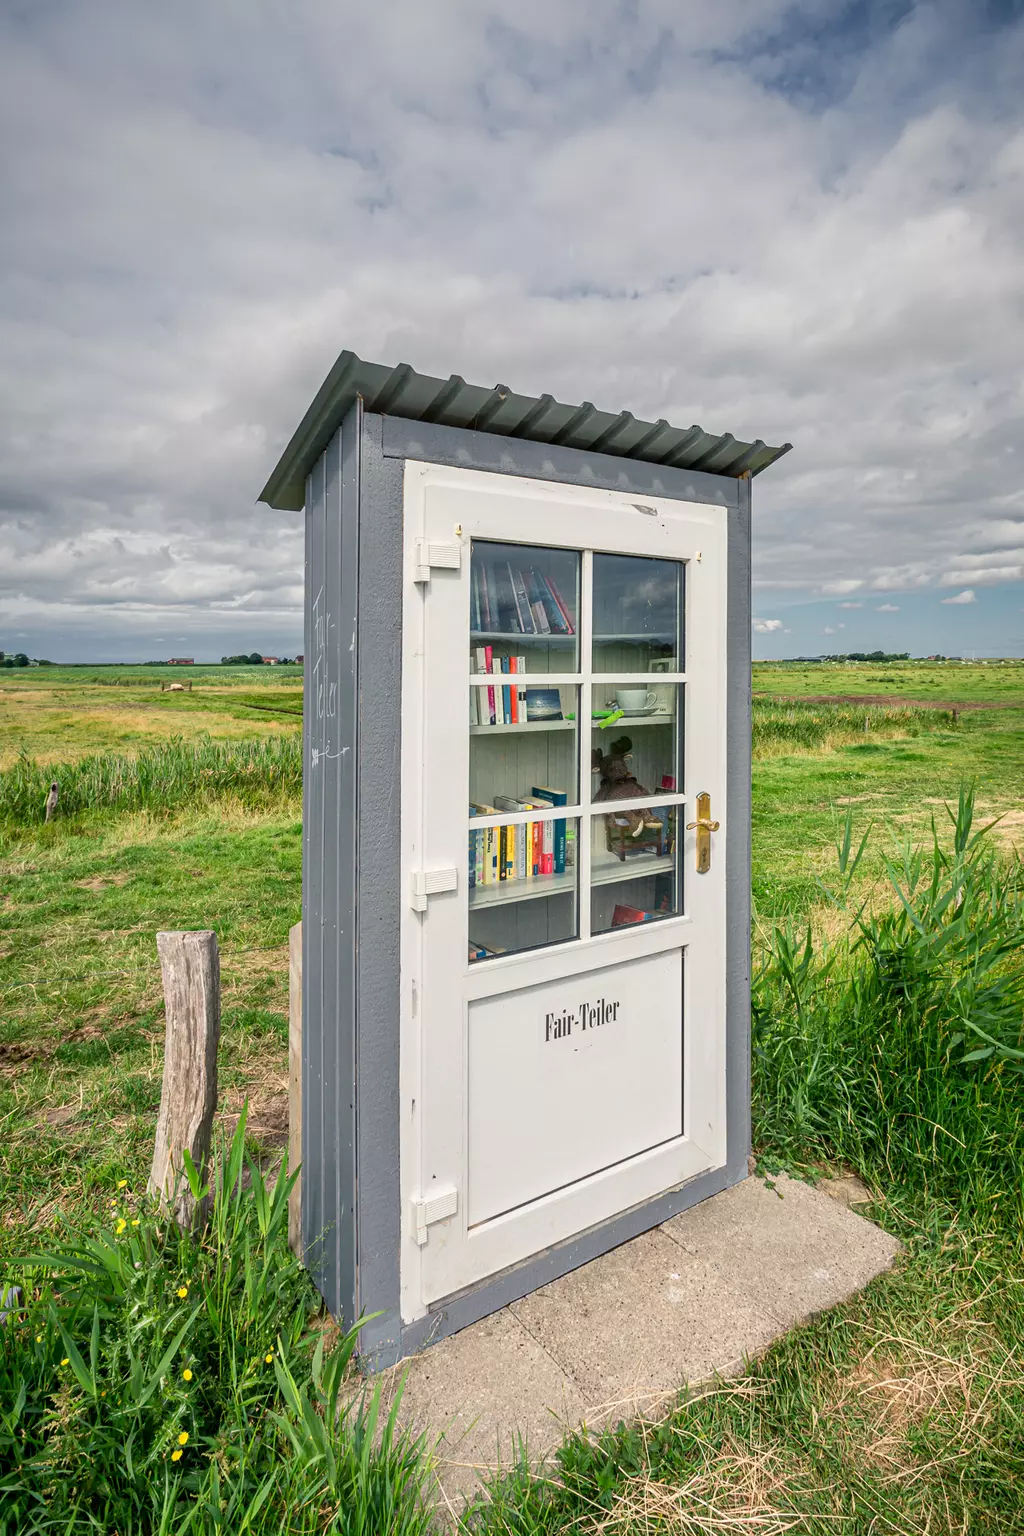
(791,1249)
(640,1321)
(479,1391)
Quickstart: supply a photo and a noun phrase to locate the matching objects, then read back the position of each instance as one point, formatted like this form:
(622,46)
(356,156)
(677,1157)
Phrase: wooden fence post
(295,1085)
(191,976)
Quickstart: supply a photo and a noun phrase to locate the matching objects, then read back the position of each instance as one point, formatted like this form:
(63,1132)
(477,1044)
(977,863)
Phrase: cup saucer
(636,714)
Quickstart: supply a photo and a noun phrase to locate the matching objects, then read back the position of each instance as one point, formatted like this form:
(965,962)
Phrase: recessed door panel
(568,1078)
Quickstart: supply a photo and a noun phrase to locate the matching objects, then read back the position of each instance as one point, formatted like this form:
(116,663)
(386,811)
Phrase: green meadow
(888,999)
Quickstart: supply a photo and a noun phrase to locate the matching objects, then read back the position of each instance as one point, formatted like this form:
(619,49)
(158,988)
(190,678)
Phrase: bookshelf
(603,871)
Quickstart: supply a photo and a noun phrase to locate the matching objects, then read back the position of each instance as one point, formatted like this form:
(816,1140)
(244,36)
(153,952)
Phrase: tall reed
(897,1047)
(180,772)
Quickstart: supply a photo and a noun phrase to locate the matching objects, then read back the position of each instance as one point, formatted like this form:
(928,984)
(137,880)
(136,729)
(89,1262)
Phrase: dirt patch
(61,1115)
(889,701)
(101,882)
(14,1053)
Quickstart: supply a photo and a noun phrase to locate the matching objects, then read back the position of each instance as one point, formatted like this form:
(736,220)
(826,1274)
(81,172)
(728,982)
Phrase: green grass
(902,1411)
(944,682)
(178,773)
(158,1380)
(81,1015)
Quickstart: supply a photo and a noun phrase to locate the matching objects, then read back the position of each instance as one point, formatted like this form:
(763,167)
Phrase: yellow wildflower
(121,1224)
(65,1361)
(182,1291)
(186,1374)
(175,1455)
(39,1338)
(268,1358)
(135,1222)
(183,1437)
(122,1183)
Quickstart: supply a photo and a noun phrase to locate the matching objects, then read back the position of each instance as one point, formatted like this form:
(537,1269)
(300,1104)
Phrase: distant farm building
(271,661)
(299,659)
(182,661)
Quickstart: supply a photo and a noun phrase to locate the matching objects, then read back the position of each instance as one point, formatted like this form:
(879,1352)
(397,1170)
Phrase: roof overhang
(400,391)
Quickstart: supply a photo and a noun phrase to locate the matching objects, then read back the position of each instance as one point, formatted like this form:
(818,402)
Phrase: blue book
(557,797)
(506,693)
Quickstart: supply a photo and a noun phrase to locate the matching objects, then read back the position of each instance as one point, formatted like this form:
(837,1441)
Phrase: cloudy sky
(800,221)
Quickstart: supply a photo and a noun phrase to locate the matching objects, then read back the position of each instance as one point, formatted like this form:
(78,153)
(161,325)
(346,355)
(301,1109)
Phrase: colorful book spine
(513,666)
(520,669)
(555,797)
(506,693)
(547,860)
(570,628)
(498,692)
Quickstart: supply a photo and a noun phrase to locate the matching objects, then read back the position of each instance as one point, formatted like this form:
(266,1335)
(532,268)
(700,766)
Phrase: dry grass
(738,1491)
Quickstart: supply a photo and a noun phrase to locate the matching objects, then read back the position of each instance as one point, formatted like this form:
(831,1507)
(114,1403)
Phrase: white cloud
(962,597)
(888,608)
(203,209)
(851,605)
(767,626)
(839,587)
(831,629)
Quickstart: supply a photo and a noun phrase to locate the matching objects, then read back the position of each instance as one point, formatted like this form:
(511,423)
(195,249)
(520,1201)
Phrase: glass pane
(522,886)
(529,752)
(634,867)
(636,752)
(524,604)
(638,613)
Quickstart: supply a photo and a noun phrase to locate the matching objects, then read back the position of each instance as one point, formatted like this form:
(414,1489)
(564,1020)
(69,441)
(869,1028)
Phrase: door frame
(375,503)
(444,504)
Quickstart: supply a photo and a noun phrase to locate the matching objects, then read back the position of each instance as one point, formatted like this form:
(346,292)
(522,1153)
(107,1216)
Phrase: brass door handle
(704,826)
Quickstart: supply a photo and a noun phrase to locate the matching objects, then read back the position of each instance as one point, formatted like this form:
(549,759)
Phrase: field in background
(59,714)
(900,1412)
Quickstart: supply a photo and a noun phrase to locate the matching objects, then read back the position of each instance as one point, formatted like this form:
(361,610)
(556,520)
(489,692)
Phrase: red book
(489,655)
(627,915)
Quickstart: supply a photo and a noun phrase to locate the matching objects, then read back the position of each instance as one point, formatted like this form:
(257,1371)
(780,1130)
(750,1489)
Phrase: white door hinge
(438,1208)
(447,557)
(431,882)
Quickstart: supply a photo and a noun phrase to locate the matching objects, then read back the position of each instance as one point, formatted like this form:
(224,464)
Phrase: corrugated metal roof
(452,402)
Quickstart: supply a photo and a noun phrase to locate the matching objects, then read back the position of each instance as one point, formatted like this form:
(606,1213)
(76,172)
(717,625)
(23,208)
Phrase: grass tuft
(154,1380)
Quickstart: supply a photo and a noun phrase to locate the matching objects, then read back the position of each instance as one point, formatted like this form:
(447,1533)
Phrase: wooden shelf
(627,722)
(525,725)
(506,635)
(606,869)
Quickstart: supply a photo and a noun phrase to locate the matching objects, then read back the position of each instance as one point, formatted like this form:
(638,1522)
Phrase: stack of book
(528,850)
(507,599)
(509,702)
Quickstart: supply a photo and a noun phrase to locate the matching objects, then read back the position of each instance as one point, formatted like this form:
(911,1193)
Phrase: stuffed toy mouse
(618,783)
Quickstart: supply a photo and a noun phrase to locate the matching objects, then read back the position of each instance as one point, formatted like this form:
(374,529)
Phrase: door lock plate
(704,827)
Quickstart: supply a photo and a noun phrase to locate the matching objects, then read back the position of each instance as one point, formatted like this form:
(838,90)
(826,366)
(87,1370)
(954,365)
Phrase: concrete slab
(685,1302)
(636,1323)
(483,1391)
(791,1249)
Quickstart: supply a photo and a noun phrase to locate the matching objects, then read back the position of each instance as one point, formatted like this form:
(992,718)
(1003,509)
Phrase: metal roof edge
(400,391)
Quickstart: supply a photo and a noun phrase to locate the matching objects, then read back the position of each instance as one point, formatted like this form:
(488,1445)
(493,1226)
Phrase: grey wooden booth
(451,1160)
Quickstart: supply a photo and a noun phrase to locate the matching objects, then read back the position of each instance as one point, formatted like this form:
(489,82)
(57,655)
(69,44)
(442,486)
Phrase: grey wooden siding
(329,869)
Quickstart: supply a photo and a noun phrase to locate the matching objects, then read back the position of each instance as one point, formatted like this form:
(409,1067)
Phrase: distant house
(182,661)
(299,660)
(271,661)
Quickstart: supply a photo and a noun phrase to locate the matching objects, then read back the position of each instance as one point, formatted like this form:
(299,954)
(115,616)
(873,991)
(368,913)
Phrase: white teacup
(636,701)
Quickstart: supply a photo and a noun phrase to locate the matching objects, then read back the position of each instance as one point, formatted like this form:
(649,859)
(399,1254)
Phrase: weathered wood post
(295,1085)
(191,976)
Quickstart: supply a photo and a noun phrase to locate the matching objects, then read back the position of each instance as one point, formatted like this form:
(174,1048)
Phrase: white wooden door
(563,1029)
